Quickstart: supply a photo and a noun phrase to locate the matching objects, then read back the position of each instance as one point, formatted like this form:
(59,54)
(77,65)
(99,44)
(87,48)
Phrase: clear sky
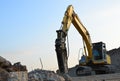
(28,28)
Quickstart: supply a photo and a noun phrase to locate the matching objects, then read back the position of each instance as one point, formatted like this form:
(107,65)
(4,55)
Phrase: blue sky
(28,28)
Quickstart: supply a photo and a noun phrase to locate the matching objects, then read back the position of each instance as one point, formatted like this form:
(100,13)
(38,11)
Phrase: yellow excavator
(96,60)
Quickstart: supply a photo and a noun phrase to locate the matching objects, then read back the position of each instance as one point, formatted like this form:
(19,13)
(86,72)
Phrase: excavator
(96,60)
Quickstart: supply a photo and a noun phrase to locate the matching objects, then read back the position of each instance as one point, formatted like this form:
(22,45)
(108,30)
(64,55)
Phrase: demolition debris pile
(6,67)
(43,75)
(115,58)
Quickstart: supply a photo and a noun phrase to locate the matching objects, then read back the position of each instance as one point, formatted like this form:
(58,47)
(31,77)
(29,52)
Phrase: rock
(3,75)
(18,67)
(4,63)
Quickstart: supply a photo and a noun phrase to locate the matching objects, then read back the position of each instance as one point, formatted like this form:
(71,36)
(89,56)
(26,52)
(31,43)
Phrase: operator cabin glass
(98,50)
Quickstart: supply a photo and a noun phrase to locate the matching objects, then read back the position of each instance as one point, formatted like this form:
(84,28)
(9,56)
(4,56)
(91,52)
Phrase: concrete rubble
(6,65)
(7,71)
(115,58)
(44,75)
(18,76)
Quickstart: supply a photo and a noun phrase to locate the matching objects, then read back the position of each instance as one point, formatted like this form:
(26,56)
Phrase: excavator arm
(70,17)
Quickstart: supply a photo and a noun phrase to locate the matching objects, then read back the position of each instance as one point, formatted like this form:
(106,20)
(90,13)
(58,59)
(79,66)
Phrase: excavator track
(88,70)
(80,71)
(104,69)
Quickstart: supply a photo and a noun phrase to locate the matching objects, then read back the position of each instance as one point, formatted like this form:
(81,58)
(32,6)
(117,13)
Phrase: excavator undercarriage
(79,71)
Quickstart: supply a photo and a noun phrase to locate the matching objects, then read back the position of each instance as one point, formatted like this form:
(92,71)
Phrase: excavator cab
(99,53)
(100,62)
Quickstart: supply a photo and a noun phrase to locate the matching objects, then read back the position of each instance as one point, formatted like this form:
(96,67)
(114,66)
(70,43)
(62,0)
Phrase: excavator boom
(70,17)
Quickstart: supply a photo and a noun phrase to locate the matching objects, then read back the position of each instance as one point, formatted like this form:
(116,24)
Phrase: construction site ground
(104,77)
